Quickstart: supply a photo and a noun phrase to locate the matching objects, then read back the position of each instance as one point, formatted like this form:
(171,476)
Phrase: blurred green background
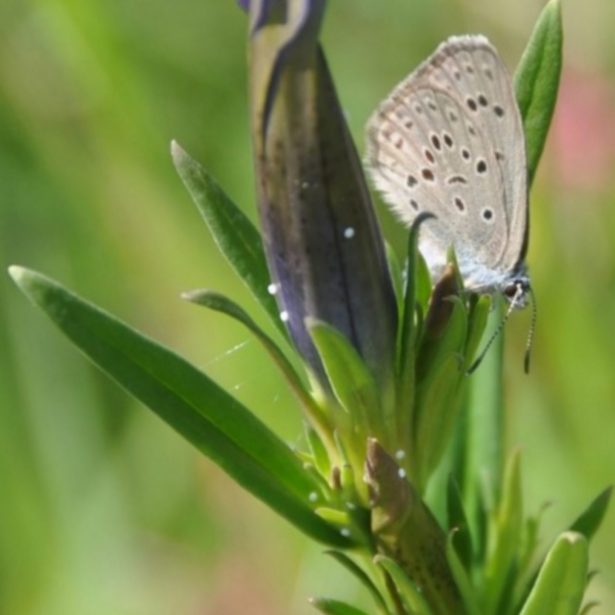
(102,508)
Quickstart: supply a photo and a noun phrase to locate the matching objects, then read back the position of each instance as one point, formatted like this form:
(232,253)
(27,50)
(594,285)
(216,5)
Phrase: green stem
(484,446)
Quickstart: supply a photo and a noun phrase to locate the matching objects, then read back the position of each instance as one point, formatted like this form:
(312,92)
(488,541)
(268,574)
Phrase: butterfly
(449,141)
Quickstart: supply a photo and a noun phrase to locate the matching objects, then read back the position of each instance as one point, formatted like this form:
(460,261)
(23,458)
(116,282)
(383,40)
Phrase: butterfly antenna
(530,335)
(509,311)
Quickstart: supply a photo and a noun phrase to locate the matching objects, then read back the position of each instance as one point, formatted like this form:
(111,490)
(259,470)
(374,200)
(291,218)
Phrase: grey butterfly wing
(449,140)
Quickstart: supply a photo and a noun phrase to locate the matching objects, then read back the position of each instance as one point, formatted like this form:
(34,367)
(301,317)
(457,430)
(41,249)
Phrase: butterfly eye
(510,291)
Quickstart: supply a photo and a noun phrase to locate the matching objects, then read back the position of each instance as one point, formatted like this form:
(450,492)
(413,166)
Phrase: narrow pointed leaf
(410,594)
(339,518)
(407,331)
(484,432)
(527,549)
(439,373)
(335,607)
(235,235)
(423,283)
(477,323)
(462,578)
(348,375)
(461,538)
(191,403)
(587,608)
(591,518)
(215,301)
(220,303)
(445,324)
(505,535)
(561,582)
(537,81)
(406,359)
(438,402)
(362,577)
(396,275)
(319,452)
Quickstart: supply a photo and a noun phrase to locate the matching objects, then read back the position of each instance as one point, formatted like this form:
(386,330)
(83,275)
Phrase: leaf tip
(18,273)
(311,323)
(605,496)
(555,5)
(181,159)
(23,277)
(190,295)
(554,11)
(177,151)
(200,296)
(573,538)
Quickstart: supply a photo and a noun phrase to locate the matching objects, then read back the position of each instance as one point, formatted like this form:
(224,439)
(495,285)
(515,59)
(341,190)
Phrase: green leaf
(439,375)
(591,518)
(460,574)
(587,608)
(362,576)
(477,322)
(220,303)
(348,375)
(586,524)
(461,538)
(526,551)
(335,607)
(437,402)
(505,535)
(537,81)
(423,283)
(320,455)
(195,406)
(236,237)
(407,333)
(339,518)
(406,359)
(411,596)
(396,275)
(446,324)
(561,582)
(483,452)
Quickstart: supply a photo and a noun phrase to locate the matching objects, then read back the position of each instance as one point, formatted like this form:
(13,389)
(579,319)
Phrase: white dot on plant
(349,232)
(350,505)
(284,316)
(272,289)
(345,532)
(401,472)
(400,454)
(313,496)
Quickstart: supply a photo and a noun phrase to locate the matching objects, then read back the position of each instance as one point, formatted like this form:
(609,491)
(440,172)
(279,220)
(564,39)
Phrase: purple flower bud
(322,239)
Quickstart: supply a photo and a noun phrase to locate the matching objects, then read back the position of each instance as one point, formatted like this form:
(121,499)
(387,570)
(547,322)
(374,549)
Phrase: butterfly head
(517,291)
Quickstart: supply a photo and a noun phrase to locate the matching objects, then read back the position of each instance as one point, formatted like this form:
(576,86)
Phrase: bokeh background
(103,510)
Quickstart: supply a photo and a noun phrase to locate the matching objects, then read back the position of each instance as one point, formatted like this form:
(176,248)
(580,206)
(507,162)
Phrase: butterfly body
(449,140)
